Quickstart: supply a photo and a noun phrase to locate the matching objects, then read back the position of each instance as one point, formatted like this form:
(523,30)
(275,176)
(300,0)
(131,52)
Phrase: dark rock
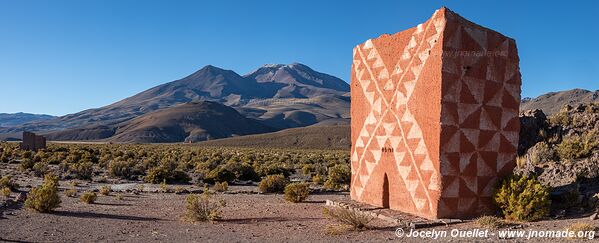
(21,197)
(532,122)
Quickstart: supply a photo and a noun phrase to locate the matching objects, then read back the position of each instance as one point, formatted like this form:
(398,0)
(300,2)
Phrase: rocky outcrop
(563,153)
(532,123)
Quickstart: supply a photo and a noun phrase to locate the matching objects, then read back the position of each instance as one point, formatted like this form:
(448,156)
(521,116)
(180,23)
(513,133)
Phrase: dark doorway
(385,191)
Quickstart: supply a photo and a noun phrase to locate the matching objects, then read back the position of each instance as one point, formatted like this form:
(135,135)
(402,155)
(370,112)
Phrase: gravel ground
(156,217)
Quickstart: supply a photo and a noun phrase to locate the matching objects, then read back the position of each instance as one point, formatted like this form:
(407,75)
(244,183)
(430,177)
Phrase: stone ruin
(32,142)
(434,117)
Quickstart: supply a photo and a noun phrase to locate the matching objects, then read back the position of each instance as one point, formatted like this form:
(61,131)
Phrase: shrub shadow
(104,216)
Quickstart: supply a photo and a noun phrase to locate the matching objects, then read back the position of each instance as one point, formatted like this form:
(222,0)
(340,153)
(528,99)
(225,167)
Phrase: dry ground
(156,217)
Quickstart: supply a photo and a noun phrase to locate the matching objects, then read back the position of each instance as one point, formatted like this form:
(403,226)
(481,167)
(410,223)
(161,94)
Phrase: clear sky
(60,57)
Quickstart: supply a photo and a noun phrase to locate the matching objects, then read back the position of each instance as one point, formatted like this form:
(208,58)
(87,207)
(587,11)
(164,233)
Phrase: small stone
(593,216)
(22,197)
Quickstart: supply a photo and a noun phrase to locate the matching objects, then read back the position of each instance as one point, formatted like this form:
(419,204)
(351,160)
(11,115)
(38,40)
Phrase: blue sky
(60,57)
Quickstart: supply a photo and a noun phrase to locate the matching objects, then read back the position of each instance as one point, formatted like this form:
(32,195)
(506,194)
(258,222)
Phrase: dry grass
(105,190)
(489,222)
(71,192)
(202,208)
(221,186)
(357,220)
(336,229)
(89,197)
(582,229)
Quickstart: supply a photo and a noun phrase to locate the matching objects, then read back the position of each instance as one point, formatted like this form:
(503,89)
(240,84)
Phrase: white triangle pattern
(409,85)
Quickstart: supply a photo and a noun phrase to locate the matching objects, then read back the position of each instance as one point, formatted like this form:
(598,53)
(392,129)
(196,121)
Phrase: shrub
(219,174)
(560,119)
(317,179)
(44,198)
(105,190)
(166,173)
(201,208)
(353,218)
(5,191)
(575,147)
(296,192)
(83,170)
(273,183)
(221,186)
(124,169)
(339,175)
(489,222)
(88,197)
(6,181)
(522,198)
(274,169)
(40,169)
(541,152)
(242,171)
(27,164)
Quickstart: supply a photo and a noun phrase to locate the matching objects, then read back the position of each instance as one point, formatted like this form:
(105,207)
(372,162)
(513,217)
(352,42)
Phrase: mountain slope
(311,137)
(15,119)
(251,94)
(552,102)
(189,122)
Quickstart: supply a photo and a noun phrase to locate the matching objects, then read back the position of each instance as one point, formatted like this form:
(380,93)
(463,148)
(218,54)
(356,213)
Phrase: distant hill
(312,137)
(279,96)
(16,119)
(552,102)
(189,122)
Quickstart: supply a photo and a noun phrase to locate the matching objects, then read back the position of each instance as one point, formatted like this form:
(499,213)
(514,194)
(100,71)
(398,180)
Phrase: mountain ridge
(251,95)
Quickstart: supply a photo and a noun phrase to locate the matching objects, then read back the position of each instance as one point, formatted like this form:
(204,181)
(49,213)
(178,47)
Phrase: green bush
(27,164)
(83,170)
(522,198)
(296,192)
(273,183)
(124,169)
(220,174)
(40,169)
(7,182)
(242,171)
(44,198)
(317,179)
(561,119)
(88,197)
(166,173)
(274,169)
(339,175)
(575,147)
(541,152)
